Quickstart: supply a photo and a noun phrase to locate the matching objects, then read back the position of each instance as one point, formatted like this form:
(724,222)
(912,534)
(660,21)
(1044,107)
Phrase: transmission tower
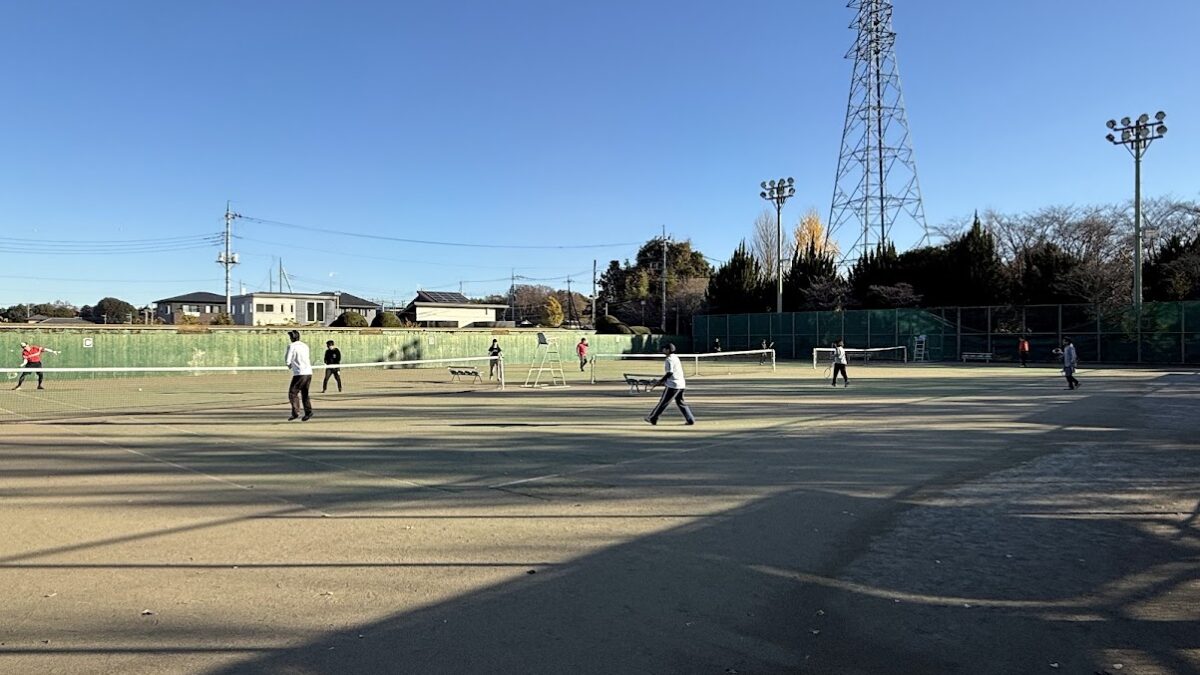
(876,195)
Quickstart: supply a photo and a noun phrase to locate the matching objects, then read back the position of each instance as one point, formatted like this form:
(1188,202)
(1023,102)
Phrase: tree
(552,312)
(810,230)
(113,310)
(880,267)
(738,286)
(1172,272)
(632,291)
(1037,274)
(810,265)
(528,300)
(763,244)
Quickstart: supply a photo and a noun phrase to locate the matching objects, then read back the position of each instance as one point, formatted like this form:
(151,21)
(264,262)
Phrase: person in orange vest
(581,350)
(31,358)
(1023,350)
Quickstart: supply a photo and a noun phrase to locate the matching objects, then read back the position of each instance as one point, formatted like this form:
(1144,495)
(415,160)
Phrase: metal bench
(640,383)
(457,373)
(977,356)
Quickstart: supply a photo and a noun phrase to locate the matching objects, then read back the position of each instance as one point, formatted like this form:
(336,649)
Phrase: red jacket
(581,349)
(32,353)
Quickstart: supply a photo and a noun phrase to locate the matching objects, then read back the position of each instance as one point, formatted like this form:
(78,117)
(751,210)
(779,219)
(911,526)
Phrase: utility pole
(512,297)
(594,324)
(664,280)
(228,258)
(570,302)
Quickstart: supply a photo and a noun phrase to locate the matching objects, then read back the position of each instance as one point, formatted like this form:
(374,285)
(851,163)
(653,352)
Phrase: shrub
(222,319)
(611,325)
(386,320)
(639,330)
(186,320)
(350,320)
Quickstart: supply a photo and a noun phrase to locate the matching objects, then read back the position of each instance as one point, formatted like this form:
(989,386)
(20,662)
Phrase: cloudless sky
(531,122)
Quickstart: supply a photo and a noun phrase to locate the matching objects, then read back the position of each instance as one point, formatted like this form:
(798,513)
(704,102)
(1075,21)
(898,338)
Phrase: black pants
(840,368)
(335,374)
(298,393)
(582,363)
(1024,358)
(667,395)
(1069,372)
(38,366)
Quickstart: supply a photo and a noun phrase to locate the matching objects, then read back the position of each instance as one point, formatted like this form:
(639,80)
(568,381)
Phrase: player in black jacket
(333,356)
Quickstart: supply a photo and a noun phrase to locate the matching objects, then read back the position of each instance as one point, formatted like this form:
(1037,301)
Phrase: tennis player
(31,359)
(839,363)
(581,350)
(297,358)
(333,358)
(493,351)
(675,383)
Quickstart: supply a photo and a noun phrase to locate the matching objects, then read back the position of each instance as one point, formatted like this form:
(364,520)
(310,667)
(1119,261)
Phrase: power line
(374,257)
(427,242)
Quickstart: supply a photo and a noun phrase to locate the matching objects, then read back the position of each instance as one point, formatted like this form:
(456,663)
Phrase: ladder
(919,353)
(547,360)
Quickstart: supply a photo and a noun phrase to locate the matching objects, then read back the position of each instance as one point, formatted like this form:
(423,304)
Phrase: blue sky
(532,122)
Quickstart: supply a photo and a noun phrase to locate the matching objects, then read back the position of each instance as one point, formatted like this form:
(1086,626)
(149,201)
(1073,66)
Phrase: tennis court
(948,519)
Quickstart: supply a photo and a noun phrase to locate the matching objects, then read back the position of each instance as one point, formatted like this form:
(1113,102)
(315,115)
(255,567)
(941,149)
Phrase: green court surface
(925,519)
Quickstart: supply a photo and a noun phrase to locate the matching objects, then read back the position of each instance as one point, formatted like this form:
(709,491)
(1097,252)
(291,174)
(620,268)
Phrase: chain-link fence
(1161,333)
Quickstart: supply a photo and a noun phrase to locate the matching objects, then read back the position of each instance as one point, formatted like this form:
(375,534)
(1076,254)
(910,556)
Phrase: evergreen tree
(738,286)
(1173,271)
(810,266)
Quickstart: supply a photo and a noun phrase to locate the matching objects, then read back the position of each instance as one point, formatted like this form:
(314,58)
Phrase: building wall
(252,310)
(465,316)
(204,312)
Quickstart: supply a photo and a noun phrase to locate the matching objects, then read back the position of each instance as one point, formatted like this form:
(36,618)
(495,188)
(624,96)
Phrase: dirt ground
(925,519)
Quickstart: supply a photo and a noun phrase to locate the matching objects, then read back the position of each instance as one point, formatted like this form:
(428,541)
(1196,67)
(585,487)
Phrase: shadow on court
(898,531)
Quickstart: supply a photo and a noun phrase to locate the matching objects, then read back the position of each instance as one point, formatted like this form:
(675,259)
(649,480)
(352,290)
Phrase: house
(284,309)
(201,305)
(435,309)
(352,303)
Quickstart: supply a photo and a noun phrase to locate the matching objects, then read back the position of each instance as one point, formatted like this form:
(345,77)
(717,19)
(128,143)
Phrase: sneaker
(322,391)
(650,420)
(845,383)
(16,387)
(40,387)
(691,423)
(293,417)
(834,384)
(307,417)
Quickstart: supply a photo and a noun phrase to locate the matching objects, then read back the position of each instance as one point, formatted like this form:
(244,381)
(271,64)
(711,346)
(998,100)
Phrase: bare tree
(762,245)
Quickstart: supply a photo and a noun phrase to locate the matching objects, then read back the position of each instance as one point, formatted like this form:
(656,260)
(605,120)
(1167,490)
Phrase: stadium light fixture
(779,192)
(1137,137)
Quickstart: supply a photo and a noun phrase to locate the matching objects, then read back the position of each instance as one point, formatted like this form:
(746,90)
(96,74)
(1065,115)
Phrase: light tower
(876,190)
(1137,136)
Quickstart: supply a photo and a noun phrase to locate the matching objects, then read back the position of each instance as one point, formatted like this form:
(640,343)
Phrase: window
(315,311)
(264,308)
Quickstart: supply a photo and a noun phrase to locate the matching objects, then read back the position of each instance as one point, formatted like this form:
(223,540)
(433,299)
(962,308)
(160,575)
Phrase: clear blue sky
(532,122)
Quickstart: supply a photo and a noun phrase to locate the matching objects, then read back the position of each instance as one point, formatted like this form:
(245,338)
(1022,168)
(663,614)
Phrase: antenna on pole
(876,186)
(228,258)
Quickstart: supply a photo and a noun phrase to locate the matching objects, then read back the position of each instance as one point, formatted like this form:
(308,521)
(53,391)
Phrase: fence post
(1099,335)
(1059,325)
(1137,317)
(958,333)
(989,328)
(1182,334)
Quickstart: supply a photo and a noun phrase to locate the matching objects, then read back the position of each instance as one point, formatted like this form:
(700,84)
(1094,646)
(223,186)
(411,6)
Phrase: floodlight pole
(1136,136)
(778,192)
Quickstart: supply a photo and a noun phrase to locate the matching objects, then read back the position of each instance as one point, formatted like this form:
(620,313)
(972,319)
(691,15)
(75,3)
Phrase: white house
(275,309)
(449,310)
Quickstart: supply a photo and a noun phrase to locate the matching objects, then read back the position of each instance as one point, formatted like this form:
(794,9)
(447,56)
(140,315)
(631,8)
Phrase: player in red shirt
(31,357)
(581,351)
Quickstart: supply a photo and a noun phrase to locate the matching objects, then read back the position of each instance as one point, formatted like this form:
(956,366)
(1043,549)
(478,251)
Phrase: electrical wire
(427,242)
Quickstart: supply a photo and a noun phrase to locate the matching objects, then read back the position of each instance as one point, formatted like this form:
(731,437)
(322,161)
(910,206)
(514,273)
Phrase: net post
(772,360)
(592,368)
(500,369)
(814,358)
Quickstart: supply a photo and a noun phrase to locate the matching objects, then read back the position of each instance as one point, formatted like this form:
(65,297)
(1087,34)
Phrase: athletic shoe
(293,417)
(307,417)
(651,421)
(691,423)
(40,387)
(16,387)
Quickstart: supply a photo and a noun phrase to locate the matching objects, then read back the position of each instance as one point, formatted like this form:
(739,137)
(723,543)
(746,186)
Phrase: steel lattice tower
(876,189)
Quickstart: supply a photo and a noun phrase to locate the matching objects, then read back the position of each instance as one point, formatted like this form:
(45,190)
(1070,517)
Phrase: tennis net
(615,367)
(824,355)
(91,392)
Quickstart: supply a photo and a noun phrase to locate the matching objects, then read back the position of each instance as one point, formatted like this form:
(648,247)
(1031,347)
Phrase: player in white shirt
(675,383)
(839,363)
(297,358)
